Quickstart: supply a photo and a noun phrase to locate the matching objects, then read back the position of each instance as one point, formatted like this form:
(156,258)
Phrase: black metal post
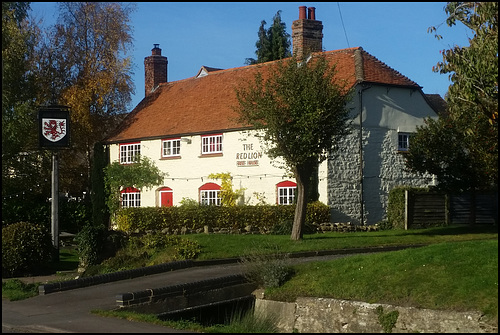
(55,205)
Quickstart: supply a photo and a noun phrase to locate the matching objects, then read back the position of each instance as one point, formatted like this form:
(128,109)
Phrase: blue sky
(223,34)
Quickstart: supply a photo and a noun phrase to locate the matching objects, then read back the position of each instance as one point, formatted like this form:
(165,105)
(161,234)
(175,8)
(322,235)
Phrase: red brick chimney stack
(155,69)
(307,33)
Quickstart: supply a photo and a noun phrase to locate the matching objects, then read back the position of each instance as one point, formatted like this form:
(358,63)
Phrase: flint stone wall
(322,315)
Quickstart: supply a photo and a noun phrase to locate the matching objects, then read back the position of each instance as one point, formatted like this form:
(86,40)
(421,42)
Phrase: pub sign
(54,127)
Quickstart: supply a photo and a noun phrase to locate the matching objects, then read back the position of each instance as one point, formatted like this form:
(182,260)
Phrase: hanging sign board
(54,127)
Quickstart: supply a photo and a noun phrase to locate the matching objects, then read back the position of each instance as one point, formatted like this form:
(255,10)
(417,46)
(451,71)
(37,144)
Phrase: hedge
(195,218)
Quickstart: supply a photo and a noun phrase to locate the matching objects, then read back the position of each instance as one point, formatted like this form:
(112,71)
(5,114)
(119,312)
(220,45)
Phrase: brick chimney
(155,69)
(307,33)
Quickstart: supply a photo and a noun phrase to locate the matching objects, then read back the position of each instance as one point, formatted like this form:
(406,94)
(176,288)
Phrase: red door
(166,198)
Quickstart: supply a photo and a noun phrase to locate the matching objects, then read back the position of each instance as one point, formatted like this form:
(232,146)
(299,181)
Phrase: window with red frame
(131,197)
(210,194)
(286,192)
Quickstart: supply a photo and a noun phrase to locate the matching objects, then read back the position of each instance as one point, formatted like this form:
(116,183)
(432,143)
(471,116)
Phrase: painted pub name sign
(53,127)
(248,157)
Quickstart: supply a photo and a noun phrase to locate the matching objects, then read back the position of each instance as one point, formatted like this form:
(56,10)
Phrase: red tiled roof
(206,104)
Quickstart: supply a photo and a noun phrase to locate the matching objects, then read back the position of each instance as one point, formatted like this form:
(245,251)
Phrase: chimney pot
(302,12)
(156,50)
(311,13)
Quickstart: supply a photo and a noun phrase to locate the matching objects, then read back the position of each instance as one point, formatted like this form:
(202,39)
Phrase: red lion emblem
(54,130)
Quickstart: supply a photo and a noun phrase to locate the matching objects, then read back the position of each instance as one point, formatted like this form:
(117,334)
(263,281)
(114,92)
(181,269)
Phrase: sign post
(53,130)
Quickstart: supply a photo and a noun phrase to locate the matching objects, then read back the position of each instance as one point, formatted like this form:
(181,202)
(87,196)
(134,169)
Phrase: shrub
(384,225)
(269,269)
(396,205)
(91,241)
(265,217)
(26,249)
(73,215)
(187,249)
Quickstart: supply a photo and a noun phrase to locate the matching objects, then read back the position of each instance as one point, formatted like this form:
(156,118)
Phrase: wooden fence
(427,209)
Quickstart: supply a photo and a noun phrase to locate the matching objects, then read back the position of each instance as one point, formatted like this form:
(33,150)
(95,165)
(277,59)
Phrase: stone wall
(322,315)
(383,169)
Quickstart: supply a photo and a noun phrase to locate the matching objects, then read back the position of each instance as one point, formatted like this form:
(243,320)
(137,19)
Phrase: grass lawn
(457,269)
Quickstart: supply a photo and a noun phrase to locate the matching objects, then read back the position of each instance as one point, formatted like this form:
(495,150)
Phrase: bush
(73,215)
(384,225)
(267,269)
(140,251)
(266,218)
(396,205)
(26,249)
(91,241)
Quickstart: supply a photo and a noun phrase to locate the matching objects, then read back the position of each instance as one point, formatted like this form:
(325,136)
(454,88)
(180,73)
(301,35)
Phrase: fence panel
(427,209)
(486,208)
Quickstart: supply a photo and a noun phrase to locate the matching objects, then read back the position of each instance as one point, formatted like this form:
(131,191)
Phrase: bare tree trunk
(303,177)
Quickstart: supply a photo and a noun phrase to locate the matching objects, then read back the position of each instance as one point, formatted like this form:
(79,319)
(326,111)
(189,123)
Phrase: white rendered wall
(242,157)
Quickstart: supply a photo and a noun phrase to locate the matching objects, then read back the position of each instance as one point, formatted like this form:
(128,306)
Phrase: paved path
(69,311)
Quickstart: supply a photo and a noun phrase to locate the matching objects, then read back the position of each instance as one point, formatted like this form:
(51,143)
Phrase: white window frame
(171,147)
(403,141)
(286,195)
(131,199)
(210,197)
(129,152)
(211,144)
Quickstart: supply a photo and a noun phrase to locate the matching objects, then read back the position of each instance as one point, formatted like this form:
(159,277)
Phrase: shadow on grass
(457,229)
(461,229)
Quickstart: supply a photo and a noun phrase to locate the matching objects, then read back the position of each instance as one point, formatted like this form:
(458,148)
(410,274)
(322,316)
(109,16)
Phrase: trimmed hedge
(195,218)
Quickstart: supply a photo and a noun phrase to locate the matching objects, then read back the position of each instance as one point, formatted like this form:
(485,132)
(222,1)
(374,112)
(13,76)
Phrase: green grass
(15,289)
(457,276)
(456,270)
(240,322)
(66,267)
(228,246)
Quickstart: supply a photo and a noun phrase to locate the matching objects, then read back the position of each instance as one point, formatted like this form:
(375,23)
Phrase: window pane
(211,144)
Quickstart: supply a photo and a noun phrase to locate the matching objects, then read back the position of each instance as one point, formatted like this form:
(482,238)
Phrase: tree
(273,43)
(461,147)
(142,173)
(472,105)
(100,214)
(452,164)
(84,64)
(473,69)
(302,113)
(25,170)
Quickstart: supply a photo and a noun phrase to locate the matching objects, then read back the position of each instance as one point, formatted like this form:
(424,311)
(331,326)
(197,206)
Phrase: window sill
(169,158)
(211,155)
